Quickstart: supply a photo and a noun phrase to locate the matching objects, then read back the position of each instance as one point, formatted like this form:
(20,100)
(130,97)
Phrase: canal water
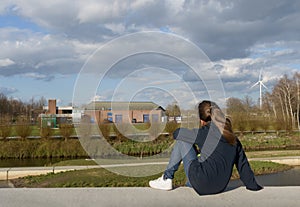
(29,162)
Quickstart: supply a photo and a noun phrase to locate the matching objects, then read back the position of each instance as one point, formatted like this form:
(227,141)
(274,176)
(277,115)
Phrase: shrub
(155,130)
(23,128)
(105,130)
(253,125)
(46,132)
(264,124)
(5,131)
(239,123)
(122,130)
(66,130)
(171,127)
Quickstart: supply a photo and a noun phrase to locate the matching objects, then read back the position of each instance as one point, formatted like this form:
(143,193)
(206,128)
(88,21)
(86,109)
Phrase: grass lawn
(36,131)
(103,178)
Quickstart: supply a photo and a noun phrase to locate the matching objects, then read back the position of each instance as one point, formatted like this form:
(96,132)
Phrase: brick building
(103,112)
(125,112)
(54,115)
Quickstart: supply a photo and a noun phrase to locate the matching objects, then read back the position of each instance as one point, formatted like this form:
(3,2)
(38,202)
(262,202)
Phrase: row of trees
(24,130)
(280,109)
(121,131)
(13,109)
(284,101)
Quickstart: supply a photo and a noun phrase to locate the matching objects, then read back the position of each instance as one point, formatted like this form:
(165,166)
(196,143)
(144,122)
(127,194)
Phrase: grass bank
(288,144)
(104,178)
(270,141)
(18,149)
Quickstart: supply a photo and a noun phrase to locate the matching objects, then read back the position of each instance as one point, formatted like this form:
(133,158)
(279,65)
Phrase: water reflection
(29,162)
(5,184)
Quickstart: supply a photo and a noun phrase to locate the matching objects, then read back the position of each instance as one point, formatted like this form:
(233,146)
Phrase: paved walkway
(147,197)
(16,172)
(288,160)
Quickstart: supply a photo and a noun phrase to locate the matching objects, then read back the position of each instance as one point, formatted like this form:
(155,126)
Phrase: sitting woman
(220,149)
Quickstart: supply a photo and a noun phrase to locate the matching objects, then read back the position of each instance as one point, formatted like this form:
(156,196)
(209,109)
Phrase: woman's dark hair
(210,111)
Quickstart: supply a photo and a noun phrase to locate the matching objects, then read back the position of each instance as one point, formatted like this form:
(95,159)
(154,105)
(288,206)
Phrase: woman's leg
(184,152)
(174,162)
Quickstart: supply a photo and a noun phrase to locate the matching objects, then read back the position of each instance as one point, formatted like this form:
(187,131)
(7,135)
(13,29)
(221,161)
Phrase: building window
(66,111)
(118,118)
(109,116)
(146,118)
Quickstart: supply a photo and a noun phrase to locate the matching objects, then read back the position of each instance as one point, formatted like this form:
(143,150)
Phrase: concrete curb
(130,197)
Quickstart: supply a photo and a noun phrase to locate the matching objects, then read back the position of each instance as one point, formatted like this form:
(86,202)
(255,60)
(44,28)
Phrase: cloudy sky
(45,46)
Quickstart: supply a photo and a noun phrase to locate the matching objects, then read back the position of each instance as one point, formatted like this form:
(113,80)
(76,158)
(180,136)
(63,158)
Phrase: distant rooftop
(59,107)
(107,105)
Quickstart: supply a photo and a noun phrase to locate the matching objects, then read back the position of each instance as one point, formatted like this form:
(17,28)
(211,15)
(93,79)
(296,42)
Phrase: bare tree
(46,132)
(5,127)
(237,111)
(15,108)
(297,94)
(283,97)
(173,110)
(66,130)
(23,128)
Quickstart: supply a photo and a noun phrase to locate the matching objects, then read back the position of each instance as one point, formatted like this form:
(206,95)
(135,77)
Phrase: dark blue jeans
(184,152)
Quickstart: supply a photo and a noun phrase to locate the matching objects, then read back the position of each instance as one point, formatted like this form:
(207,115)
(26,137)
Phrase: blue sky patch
(19,22)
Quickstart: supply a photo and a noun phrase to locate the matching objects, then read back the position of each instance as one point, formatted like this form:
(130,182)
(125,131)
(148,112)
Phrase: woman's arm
(192,136)
(244,169)
(185,135)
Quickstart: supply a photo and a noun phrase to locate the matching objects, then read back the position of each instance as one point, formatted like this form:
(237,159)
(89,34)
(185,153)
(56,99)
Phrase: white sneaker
(161,183)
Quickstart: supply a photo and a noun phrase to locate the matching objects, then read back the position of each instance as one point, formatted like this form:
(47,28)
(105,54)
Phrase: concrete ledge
(270,196)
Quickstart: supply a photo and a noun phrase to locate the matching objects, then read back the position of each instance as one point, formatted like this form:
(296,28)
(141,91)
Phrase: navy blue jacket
(211,172)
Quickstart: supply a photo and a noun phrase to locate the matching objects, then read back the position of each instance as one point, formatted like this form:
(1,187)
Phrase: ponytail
(209,111)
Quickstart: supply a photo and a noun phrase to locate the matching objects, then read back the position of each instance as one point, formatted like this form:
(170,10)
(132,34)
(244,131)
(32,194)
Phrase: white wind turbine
(260,83)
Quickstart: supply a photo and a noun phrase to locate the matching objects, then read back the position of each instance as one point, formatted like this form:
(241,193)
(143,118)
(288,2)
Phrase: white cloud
(225,29)
(38,76)
(7,90)
(40,53)
(6,62)
(242,37)
(116,28)
(101,11)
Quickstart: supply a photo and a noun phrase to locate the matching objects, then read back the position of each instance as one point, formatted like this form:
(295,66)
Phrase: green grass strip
(103,178)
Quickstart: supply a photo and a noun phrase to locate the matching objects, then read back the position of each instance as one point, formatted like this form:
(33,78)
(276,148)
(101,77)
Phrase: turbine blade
(255,84)
(264,85)
(259,77)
